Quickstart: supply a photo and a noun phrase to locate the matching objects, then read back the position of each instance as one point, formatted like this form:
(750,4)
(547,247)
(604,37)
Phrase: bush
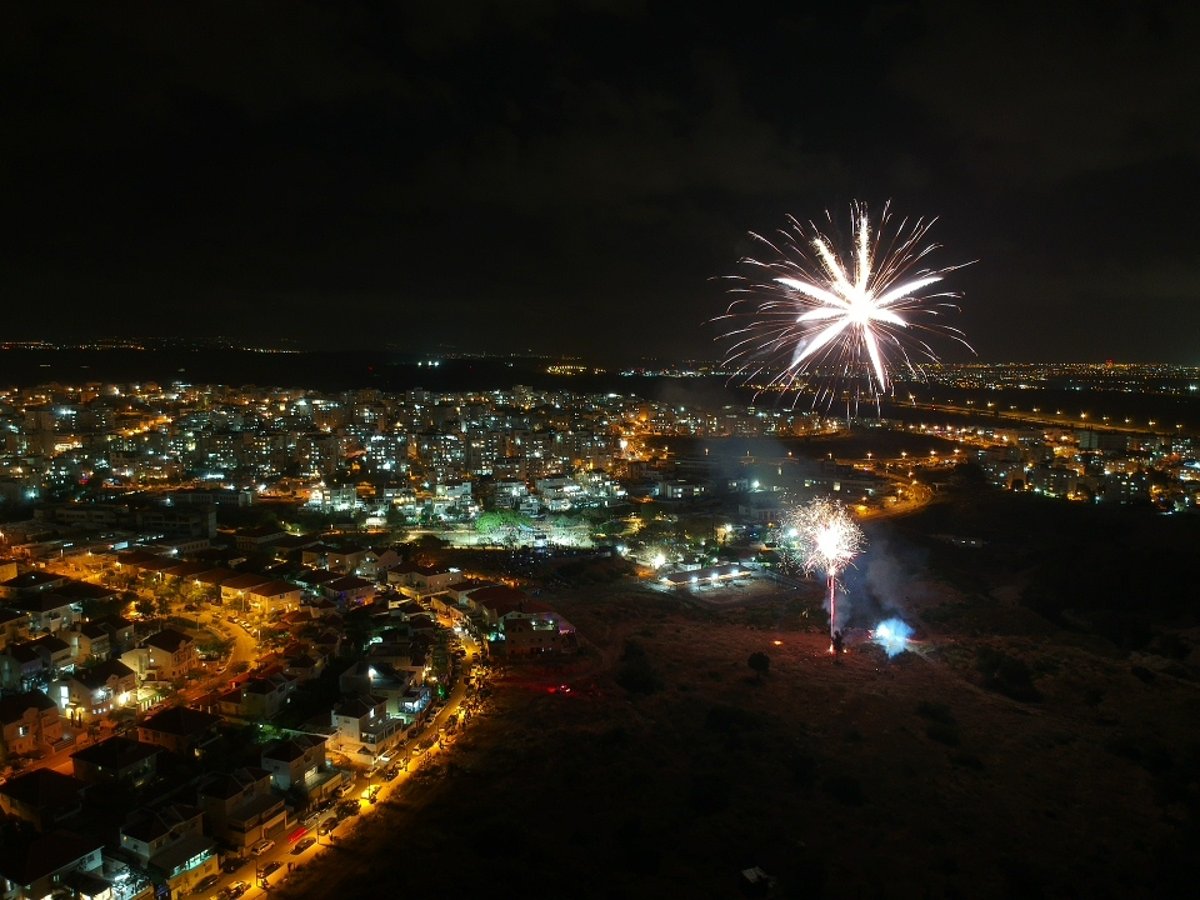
(936,712)
(967,761)
(1005,674)
(633,651)
(637,676)
(845,789)
(760,663)
(732,719)
(1146,751)
(943,733)
(803,767)
(709,794)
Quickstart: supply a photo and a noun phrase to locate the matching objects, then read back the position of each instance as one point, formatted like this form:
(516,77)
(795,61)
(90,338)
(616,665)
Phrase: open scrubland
(1041,738)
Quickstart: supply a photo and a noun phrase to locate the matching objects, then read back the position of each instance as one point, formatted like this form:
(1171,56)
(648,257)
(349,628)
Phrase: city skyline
(562,179)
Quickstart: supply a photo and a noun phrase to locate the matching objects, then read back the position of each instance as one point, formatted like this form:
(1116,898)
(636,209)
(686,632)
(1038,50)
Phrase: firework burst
(826,539)
(849,318)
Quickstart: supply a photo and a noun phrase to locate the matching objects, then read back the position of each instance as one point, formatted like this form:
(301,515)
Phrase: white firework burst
(846,318)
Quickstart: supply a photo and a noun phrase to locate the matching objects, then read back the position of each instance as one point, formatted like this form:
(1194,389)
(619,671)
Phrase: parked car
(238,888)
(303,845)
(328,825)
(262,847)
(205,883)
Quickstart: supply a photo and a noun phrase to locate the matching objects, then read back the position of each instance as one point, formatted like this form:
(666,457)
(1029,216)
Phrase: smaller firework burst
(827,539)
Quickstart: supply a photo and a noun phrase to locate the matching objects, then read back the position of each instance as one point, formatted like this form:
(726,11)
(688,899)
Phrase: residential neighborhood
(229,618)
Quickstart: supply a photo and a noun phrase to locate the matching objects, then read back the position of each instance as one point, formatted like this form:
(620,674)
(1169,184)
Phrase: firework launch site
(1037,737)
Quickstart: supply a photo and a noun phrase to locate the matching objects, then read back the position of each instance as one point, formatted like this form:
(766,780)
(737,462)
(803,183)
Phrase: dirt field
(670,767)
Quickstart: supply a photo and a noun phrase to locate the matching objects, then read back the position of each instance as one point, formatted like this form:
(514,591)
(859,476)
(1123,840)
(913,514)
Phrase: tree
(760,663)
(430,543)
(501,525)
(98,609)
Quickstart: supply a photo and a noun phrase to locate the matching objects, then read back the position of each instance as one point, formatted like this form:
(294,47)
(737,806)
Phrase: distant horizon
(293,345)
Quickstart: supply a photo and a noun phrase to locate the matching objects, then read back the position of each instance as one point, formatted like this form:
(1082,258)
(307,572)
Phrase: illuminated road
(434,729)
(1037,417)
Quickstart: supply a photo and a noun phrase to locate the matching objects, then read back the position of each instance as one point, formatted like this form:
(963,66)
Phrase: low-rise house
(363,726)
(170,845)
(402,606)
(421,581)
(377,679)
(258,537)
(347,560)
(117,759)
(349,590)
(180,729)
(186,571)
(55,653)
(315,579)
(120,632)
(415,701)
(303,666)
(48,612)
(316,556)
(32,582)
(134,561)
(81,592)
(493,602)
(400,653)
(327,643)
(21,667)
(535,633)
(172,654)
(33,867)
(257,698)
(275,596)
(94,693)
(420,625)
(29,722)
(90,641)
(42,797)
(14,626)
(236,589)
(209,582)
(299,762)
(240,808)
(376,561)
(459,591)
(321,608)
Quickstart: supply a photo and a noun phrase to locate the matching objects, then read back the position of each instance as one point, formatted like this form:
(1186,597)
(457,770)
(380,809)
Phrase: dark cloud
(499,174)
(1039,94)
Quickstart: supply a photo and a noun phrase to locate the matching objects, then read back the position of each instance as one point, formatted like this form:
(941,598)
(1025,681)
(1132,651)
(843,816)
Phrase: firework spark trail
(828,540)
(864,314)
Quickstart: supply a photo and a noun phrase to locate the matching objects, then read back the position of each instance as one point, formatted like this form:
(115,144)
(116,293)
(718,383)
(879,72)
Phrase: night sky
(571,177)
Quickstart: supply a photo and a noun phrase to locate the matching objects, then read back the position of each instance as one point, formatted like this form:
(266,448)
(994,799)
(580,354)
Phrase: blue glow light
(892,635)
